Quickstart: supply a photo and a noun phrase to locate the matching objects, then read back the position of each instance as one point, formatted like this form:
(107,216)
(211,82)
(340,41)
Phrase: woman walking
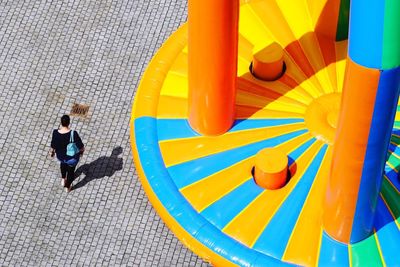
(68,147)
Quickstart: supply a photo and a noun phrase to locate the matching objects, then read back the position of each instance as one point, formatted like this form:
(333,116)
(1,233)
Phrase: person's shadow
(101,167)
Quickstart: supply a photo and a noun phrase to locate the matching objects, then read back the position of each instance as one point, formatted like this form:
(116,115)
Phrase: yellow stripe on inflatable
(245,48)
(243,66)
(296,15)
(175,85)
(170,107)
(311,87)
(180,65)
(252,28)
(282,103)
(315,8)
(273,20)
(206,191)
(378,245)
(340,69)
(331,69)
(176,151)
(309,222)
(246,112)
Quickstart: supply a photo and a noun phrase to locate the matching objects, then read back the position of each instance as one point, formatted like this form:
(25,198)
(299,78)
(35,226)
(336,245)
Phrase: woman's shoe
(63,182)
(68,189)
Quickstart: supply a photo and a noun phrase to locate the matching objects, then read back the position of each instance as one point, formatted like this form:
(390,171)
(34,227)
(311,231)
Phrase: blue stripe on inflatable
(393,178)
(388,234)
(275,236)
(169,129)
(375,157)
(174,128)
(300,150)
(177,206)
(333,253)
(366,32)
(224,210)
(192,171)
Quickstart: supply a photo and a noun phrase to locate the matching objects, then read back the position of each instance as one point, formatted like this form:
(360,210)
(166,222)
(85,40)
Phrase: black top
(60,141)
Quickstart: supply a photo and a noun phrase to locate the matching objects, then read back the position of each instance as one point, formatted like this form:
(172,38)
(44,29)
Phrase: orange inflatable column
(213,42)
(349,155)
(369,102)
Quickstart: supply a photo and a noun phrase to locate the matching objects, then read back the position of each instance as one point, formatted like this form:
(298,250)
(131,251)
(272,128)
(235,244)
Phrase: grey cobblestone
(54,54)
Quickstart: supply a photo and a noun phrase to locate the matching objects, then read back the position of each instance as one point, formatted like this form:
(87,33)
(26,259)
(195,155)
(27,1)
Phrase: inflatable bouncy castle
(265,132)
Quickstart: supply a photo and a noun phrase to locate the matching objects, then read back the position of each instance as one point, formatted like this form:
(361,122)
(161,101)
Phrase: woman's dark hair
(65,120)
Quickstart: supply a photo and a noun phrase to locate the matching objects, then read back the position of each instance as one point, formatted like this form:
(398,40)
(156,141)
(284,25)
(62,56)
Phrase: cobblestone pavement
(54,54)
